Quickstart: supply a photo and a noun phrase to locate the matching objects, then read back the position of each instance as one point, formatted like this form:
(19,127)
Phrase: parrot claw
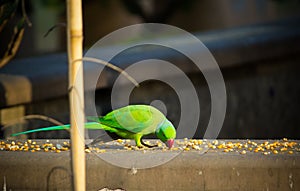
(146,145)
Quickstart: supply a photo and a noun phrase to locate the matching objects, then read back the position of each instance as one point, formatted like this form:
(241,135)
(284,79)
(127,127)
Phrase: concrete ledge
(190,170)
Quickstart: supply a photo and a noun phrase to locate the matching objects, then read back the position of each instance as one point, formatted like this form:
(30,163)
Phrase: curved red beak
(170,143)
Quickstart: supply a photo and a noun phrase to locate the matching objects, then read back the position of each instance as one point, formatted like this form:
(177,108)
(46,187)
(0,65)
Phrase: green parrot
(130,122)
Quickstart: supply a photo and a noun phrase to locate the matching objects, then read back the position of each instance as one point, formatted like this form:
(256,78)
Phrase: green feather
(89,125)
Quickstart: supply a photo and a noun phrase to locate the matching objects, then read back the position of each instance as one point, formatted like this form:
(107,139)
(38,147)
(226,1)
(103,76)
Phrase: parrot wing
(133,118)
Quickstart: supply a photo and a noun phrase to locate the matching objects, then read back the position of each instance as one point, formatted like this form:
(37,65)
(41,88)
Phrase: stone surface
(189,170)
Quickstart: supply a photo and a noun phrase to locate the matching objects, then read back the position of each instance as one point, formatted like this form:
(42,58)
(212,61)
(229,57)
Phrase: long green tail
(89,125)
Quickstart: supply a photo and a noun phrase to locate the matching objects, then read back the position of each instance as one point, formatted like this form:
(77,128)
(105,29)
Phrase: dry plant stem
(76,93)
(25,15)
(54,27)
(28,117)
(13,46)
(16,38)
(116,68)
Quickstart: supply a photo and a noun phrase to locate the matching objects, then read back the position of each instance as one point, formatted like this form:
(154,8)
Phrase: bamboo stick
(76,93)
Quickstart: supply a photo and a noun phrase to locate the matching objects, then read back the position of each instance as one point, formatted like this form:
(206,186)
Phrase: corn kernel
(196,147)
(102,151)
(64,149)
(215,142)
(226,150)
(283,149)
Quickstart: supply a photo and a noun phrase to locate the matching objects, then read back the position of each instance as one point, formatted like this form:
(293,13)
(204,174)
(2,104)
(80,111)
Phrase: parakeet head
(166,133)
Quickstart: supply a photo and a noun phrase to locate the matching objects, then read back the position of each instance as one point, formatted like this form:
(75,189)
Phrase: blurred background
(103,16)
(255,42)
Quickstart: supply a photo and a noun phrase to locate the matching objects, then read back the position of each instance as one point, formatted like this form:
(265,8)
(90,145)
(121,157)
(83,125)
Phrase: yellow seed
(243,152)
(215,142)
(292,144)
(33,142)
(13,148)
(57,151)
(46,149)
(29,141)
(87,150)
(32,151)
(283,149)
(119,140)
(275,151)
(194,141)
(291,152)
(226,150)
(101,151)
(200,142)
(186,149)
(196,147)
(285,139)
(64,149)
